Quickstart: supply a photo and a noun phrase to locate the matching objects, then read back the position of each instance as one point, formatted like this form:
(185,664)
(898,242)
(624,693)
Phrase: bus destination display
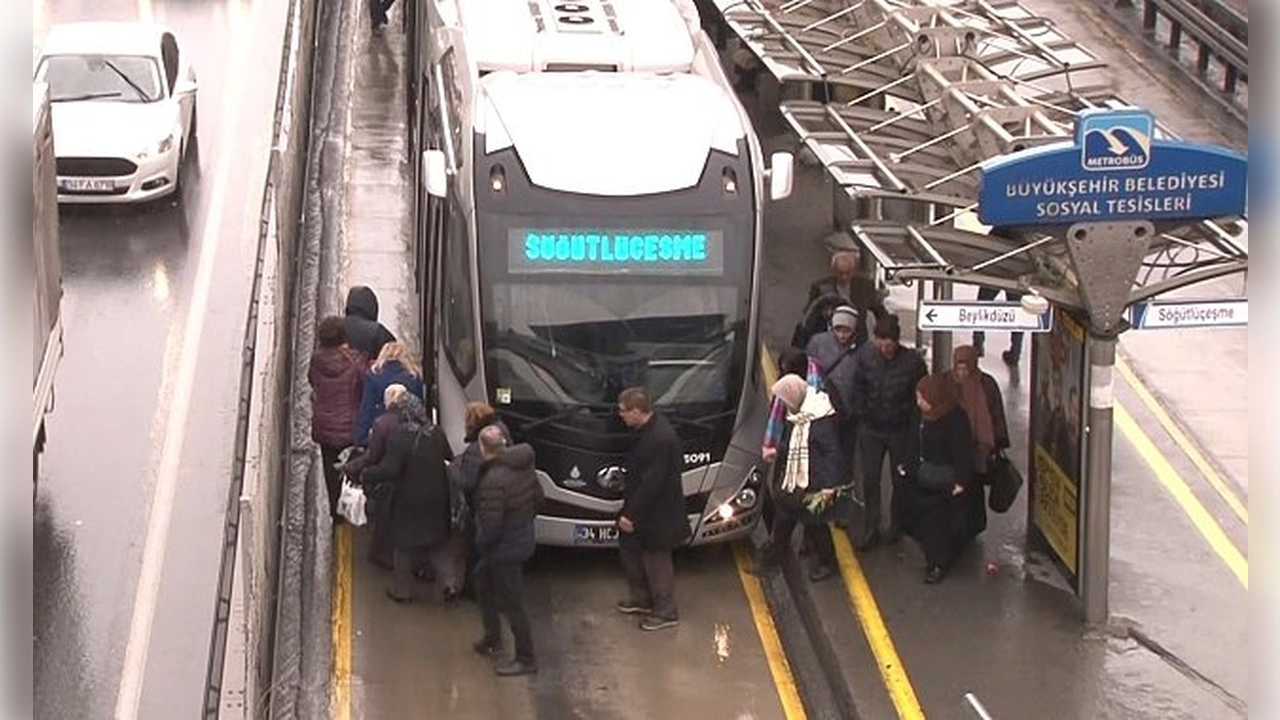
(595,251)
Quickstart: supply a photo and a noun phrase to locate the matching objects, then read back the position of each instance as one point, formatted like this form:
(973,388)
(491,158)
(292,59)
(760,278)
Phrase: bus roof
(647,133)
(609,35)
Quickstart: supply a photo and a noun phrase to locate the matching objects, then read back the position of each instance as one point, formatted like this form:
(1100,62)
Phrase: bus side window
(457,317)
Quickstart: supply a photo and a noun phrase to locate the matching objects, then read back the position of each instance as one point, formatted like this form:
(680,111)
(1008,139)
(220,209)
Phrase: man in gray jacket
(833,352)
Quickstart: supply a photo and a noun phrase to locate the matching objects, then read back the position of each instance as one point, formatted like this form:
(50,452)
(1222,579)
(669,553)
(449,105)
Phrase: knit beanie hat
(844,316)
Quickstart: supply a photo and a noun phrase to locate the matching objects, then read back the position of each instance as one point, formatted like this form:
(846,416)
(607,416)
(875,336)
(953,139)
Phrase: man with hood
(364,332)
(507,500)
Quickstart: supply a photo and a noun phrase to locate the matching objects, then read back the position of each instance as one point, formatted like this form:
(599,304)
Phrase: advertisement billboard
(1059,371)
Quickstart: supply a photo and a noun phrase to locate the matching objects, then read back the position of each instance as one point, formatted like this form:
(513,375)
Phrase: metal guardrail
(1219,33)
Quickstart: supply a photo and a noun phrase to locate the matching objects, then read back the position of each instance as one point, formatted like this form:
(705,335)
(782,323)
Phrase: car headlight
(163,146)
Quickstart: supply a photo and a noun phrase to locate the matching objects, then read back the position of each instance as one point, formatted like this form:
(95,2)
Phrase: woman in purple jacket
(336,375)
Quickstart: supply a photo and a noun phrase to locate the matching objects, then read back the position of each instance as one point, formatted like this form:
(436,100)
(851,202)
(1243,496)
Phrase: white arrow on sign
(1191,314)
(993,316)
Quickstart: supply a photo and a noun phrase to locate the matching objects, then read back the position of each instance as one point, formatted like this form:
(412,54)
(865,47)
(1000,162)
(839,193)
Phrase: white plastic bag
(351,503)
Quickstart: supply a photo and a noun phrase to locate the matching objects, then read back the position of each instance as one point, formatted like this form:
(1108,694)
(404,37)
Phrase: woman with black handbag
(979,395)
(937,483)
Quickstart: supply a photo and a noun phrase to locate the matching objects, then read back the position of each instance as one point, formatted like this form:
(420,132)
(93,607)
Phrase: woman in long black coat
(937,482)
(414,462)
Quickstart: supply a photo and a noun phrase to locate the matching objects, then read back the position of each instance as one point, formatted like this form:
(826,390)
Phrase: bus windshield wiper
(567,410)
(87,96)
(701,423)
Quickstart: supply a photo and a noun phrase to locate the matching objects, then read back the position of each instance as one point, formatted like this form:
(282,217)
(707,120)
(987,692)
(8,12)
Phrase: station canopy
(902,101)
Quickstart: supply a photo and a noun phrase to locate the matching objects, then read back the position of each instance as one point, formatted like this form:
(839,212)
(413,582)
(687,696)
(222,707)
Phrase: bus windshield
(573,316)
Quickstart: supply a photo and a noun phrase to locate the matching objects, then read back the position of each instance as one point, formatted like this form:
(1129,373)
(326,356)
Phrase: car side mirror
(781,175)
(435,171)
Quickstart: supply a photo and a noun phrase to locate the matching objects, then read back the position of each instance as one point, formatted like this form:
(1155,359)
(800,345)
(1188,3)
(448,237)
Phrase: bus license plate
(595,534)
(85,184)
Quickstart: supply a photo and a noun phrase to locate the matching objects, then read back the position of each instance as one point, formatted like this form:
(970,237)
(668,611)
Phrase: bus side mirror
(435,172)
(781,175)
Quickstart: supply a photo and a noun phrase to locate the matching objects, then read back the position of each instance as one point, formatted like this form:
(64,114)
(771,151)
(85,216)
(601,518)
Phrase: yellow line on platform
(1175,431)
(341,708)
(1181,492)
(788,693)
(892,671)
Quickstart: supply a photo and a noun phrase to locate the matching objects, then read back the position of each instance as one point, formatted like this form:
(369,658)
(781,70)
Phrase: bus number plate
(595,534)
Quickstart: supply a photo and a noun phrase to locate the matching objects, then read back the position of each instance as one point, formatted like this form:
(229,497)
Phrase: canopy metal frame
(914,95)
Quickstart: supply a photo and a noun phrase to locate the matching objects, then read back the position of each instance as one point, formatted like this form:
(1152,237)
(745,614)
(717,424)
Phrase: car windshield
(120,78)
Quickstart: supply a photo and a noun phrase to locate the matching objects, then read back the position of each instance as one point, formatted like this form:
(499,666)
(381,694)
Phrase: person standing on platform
(884,398)
(507,500)
(652,523)
(336,375)
(364,332)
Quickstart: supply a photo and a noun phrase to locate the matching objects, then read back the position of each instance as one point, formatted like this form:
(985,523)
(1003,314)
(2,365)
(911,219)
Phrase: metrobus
(588,205)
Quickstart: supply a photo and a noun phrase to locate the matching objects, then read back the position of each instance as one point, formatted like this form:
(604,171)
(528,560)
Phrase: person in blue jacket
(395,365)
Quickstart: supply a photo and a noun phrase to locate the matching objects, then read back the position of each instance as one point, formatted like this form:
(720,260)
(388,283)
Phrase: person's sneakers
(627,607)
(653,622)
(934,574)
(487,647)
(1010,357)
(516,667)
(822,572)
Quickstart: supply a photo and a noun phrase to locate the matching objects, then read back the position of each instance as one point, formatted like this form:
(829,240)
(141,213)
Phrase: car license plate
(595,534)
(86,184)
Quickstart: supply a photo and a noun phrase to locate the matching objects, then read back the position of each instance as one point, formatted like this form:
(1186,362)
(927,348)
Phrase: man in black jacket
(846,286)
(652,523)
(507,499)
(364,332)
(885,377)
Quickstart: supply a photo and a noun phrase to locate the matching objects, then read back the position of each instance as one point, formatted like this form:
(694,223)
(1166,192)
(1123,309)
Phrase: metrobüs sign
(1115,170)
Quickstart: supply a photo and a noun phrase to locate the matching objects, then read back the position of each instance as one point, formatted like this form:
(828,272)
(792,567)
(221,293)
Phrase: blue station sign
(1115,170)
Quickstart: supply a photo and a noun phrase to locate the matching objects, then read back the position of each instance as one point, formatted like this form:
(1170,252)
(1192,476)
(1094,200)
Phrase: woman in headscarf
(938,473)
(414,463)
(979,395)
(812,462)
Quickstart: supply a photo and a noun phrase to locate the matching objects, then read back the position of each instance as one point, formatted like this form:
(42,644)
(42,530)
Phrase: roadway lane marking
(892,671)
(977,706)
(779,667)
(1181,492)
(1175,431)
(342,603)
(160,516)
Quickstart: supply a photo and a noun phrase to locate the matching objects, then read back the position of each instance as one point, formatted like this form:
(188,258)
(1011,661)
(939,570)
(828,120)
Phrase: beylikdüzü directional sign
(1171,315)
(1115,170)
(985,316)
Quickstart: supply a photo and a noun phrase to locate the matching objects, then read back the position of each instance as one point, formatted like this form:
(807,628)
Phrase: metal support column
(1097,493)
(940,354)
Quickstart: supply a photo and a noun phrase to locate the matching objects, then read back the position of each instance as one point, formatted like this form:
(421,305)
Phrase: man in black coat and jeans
(884,396)
(652,523)
(507,499)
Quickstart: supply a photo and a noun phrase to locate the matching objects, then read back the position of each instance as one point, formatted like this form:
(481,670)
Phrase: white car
(124,110)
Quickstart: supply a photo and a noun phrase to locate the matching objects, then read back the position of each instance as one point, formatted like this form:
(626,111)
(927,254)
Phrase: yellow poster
(1056,507)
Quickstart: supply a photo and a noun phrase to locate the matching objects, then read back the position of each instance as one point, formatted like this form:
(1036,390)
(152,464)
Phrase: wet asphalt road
(154,308)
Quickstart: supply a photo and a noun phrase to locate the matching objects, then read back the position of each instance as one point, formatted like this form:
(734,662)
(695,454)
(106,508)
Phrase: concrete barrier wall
(252,679)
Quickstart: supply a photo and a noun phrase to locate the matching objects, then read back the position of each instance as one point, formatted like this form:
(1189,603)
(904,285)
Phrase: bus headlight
(747,498)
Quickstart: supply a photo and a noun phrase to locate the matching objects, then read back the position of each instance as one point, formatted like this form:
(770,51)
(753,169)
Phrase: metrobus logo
(1115,140)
